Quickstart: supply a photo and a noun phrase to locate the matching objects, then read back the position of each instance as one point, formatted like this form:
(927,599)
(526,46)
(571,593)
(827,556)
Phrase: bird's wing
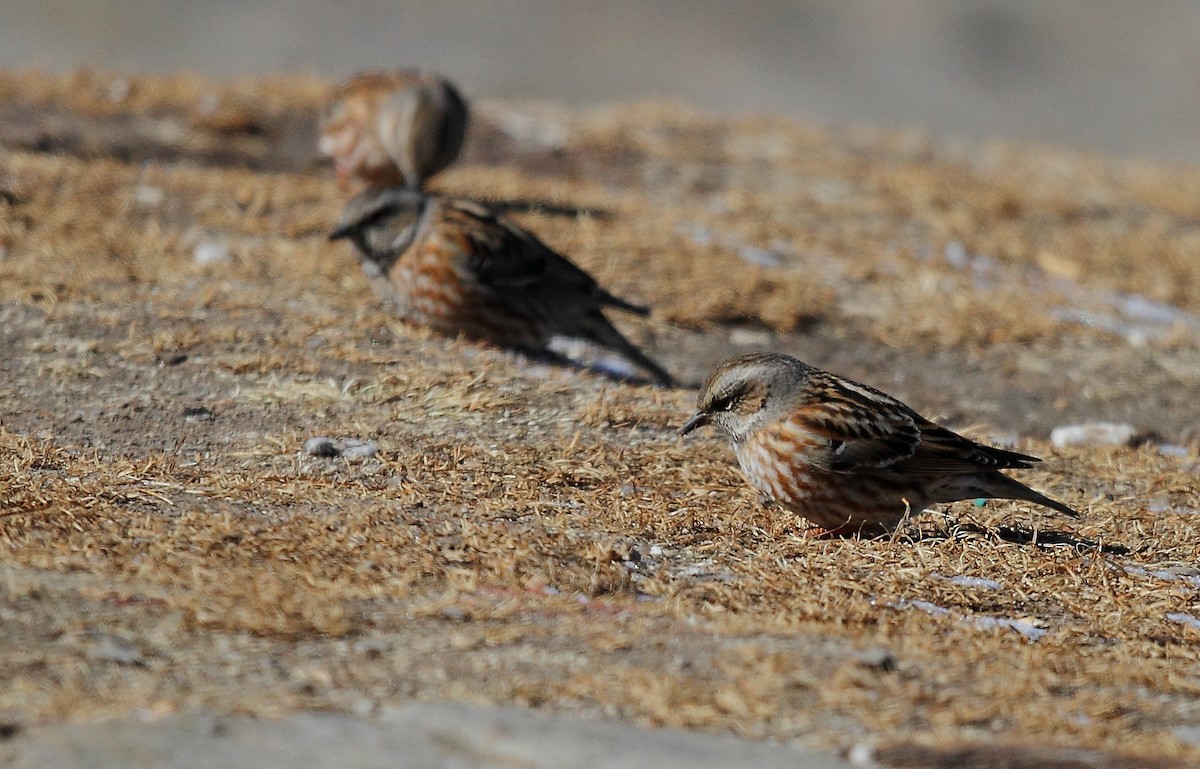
(944,450)
(870,430)
(503,258)
(864,427)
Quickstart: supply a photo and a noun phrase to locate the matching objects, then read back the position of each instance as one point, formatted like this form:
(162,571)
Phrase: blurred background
(1115,77)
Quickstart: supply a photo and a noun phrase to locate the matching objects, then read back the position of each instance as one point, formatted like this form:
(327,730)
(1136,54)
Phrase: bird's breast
(778,460)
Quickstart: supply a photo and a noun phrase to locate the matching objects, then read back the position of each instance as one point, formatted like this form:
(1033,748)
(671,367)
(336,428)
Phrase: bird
(848,458)
(393,127)
(461,267)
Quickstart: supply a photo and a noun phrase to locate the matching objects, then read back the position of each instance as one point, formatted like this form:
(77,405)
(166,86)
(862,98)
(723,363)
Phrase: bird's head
(746,392)
(382,221)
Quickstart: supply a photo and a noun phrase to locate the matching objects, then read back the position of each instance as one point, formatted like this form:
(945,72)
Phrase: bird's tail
(1000,486)
(601,331)
(611,300)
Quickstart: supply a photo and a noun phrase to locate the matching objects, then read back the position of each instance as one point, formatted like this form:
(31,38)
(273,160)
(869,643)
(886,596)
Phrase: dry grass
(538,535)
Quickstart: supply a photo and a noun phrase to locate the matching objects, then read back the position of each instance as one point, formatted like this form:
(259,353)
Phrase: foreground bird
(396,128)
(462,268)
(845,456)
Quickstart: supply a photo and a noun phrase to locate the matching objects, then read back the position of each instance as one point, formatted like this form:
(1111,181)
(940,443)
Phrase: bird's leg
(847,529)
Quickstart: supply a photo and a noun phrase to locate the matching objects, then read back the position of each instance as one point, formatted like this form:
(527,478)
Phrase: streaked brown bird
(394,128)
(845,456)
(462,268)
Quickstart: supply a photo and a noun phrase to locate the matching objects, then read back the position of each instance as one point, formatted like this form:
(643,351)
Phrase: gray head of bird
(747,392)
(382,221)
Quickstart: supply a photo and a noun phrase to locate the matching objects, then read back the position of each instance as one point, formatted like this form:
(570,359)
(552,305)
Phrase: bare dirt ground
(174,326)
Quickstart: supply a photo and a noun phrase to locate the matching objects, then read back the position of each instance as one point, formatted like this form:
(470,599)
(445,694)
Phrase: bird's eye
(723,404)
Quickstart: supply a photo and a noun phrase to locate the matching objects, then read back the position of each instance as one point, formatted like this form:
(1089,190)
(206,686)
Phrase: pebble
(978,582)
(1093,434)
(372,647)
(1183,618)
(876,657)
(148,195)
(211,252)
(761,257)
(321,447)
(350,448)
(198,414)
(1030,628)
(749,337)
(1188,733)
(616,367)
(426,735)
(110,648)
(353,447)
(118,90)
(929,607)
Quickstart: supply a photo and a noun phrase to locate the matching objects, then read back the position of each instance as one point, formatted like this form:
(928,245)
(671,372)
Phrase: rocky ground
(174,327)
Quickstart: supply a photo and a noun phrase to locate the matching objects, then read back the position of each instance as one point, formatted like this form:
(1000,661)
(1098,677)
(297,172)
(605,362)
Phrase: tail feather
(611,300)
(996,485)
(601,331)
(1000,486)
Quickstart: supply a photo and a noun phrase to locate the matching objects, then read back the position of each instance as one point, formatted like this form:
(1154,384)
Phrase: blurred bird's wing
(516,272)
(438,125)
(510,263)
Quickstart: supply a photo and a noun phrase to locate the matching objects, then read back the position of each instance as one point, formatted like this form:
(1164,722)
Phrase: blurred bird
(845,456)
(462,268)
(394,128)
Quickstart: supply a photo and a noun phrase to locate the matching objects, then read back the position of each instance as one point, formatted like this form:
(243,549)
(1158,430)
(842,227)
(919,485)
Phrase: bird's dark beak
(699,419)
(341,232)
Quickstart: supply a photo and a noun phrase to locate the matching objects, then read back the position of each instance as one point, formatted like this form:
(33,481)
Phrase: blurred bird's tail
(609,300)
(601,331)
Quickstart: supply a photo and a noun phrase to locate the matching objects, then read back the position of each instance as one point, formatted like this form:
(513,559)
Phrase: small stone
(1093,434)
(118,90)
(148,195)
(981,583)
(1159,504)
(1189,734)
(356,448)
(456,614)
(321,447)
(877,658)
(861,754)
(761,257)
(199,414)
(618,368)
(211,252)
(701,236)
(110,648)
(1183,618)
(372,647)
(1003,440)
(310,679)
(749,337)
(956,254)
